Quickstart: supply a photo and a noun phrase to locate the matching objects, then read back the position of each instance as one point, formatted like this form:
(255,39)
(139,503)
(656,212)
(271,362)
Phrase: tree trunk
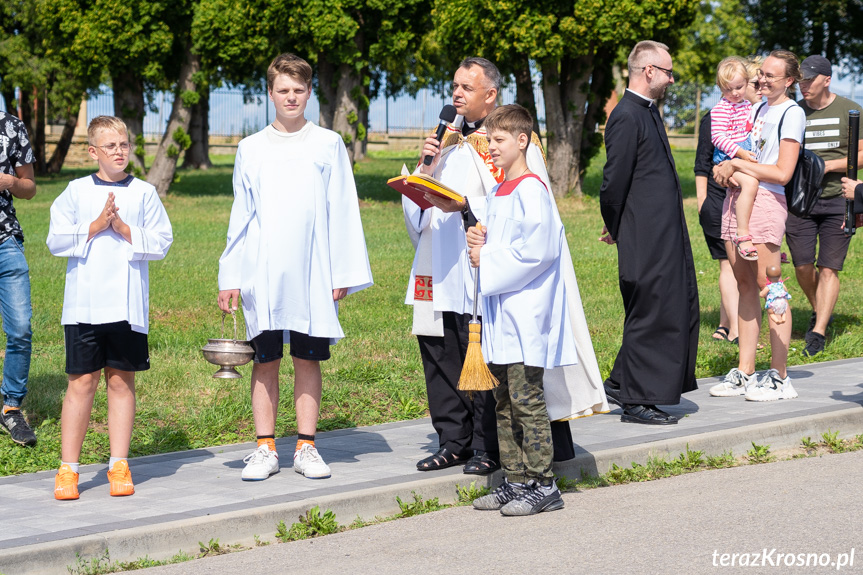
(346,113)
(198,156)
(524,95)
(175,138)
(564,86)
(602,82)
(8,92)
(339,86)
(361,143)
(55,164)
(26,112)
(326,91)
(33,116)
(37,139)
(129,107)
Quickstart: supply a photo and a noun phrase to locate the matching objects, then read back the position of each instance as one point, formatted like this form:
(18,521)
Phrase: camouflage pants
(523,429)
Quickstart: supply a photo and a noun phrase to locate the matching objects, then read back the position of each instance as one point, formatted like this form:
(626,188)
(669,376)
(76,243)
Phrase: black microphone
(447,115)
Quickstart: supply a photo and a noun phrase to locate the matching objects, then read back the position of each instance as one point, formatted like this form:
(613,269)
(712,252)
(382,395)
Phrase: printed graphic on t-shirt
(15,151)
(825,131)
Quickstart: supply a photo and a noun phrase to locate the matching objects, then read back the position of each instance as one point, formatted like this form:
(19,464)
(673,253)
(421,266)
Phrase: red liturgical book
(416,185)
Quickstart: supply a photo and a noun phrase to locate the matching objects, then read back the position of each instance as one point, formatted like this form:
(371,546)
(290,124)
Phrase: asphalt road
(775,516)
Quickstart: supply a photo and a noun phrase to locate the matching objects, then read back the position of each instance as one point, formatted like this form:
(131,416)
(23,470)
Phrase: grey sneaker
(13,423)
(504,493)
(534,499)
(772,387)
(735,383)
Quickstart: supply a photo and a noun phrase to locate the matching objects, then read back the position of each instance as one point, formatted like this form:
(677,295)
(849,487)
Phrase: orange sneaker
(120,479)
(65,484)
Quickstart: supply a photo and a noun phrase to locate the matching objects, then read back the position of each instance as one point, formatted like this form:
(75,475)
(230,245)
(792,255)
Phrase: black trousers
(463,424)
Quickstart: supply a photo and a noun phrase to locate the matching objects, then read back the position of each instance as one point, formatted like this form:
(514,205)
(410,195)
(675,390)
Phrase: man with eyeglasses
(642,208)
(16,180)
(827,136)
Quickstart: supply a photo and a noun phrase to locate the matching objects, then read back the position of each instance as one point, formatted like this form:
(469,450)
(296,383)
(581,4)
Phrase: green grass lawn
(375,375)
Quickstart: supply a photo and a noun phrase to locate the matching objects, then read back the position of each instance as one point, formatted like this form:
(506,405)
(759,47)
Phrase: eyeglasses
(112,149)
(770,78)
(755,84)
(667,71)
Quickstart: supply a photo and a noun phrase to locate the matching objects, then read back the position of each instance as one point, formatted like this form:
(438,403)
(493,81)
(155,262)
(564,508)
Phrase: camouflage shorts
(520,407)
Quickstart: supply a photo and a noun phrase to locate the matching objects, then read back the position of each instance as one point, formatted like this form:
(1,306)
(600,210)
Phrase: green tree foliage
(27,63)
(827,27)
(140,43)
(350,42)
(574,44)
(234,39)
(720,29)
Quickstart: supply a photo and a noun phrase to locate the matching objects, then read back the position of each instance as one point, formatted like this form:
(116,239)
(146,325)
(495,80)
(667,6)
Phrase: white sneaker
(260,464)
(735,383)
(309,462)
(772,387)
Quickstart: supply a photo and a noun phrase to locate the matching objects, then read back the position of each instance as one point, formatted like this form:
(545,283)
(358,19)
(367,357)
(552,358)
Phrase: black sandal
(481,464)
(442,459)
(721,334)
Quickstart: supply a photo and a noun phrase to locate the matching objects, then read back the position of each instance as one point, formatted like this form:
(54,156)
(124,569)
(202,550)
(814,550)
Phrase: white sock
(74,466)
(114,460)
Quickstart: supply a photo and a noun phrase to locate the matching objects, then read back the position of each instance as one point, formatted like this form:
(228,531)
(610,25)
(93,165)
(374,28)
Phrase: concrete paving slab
(182,498)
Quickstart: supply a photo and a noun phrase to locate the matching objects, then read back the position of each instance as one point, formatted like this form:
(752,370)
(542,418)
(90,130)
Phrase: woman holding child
(711,197)
(776,155)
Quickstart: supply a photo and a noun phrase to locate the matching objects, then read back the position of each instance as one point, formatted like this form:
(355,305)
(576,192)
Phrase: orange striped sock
(301,442)
(271,443)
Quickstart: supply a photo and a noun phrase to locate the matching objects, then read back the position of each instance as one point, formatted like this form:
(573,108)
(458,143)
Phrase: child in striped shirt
(729,131)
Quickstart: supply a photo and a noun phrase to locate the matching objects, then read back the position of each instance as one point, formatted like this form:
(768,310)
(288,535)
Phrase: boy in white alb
(295,248)
(109,225)
(526,328)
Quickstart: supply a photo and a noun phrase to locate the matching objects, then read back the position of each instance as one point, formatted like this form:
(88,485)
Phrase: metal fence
(233,113)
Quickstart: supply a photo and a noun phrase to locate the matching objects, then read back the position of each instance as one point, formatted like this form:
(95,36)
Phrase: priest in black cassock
(642,207)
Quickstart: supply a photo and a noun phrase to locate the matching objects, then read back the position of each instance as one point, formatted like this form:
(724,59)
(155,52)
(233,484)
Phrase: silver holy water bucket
(228,353)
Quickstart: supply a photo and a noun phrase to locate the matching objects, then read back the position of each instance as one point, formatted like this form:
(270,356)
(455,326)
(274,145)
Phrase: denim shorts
(720,156)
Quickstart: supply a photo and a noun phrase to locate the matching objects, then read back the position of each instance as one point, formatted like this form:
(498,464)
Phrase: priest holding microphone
(441,283)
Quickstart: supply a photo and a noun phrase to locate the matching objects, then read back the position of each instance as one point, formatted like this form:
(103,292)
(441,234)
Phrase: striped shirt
(729,125)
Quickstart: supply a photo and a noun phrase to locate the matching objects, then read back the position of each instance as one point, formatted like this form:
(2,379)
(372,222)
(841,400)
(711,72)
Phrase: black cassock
(642,207)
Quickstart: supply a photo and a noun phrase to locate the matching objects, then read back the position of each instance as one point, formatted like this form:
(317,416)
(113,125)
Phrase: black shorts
(824,224)
(92,348)
(269,346)
(716,247)
(710,219)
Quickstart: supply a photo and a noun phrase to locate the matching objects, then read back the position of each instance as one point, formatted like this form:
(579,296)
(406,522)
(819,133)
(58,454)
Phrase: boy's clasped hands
(110,216)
